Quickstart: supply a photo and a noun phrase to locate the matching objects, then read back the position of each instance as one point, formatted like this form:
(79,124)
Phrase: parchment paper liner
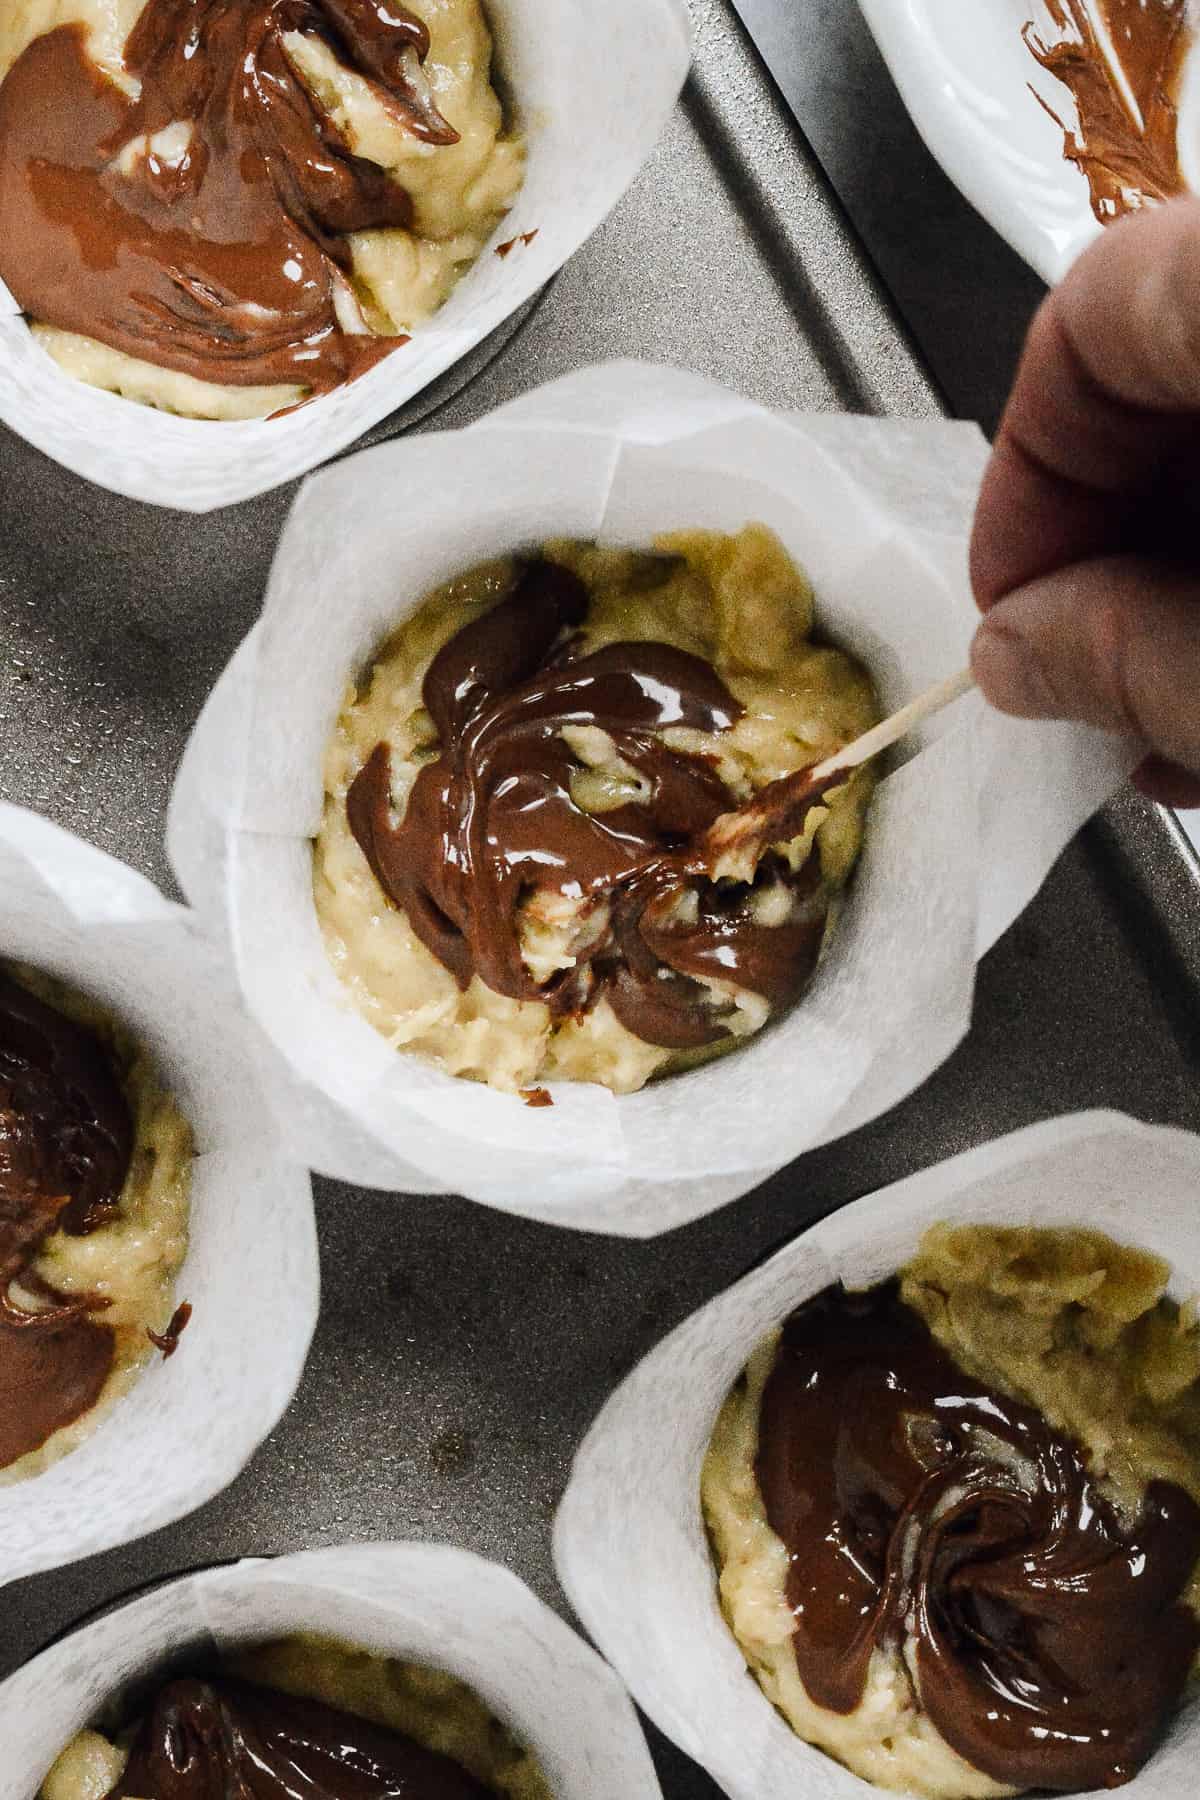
(591,99)
(630,1545)
(189,1424)
(426,1603)
(958,840)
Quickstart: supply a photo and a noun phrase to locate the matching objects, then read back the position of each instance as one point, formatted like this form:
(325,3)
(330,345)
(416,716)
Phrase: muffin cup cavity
(190,1422)
(590,120)
(423,1603)
(630,1541)
(958,839)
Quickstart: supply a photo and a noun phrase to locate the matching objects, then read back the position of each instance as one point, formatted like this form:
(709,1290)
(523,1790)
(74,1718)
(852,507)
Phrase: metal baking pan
(461,1353)
(966,297)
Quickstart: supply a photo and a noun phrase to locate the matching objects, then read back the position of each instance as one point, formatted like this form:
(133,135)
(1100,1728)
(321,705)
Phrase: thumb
(1114,643)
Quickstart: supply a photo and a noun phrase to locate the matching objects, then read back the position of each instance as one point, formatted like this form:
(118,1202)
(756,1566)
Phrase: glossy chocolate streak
(66,1138)
(493,819)
(1051,1641)
(217,1740)
(222,263)
(168,1341)
(1129,153)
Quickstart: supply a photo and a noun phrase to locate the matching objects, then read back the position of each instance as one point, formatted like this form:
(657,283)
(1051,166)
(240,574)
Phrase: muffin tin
(461,1355)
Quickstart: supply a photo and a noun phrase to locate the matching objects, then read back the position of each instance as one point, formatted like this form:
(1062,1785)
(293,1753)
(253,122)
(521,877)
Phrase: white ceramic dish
(590,122)
(971,85)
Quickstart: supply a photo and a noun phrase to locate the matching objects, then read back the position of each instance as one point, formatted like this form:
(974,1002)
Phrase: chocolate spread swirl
(493,821)
(1127,141)
(1051,1642)
(208,1740)
(219,259)
(66,1138)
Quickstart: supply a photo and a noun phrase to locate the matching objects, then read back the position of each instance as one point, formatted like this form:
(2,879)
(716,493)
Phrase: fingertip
(1008,672)
(989,560)
(1113,643)
(1167,783)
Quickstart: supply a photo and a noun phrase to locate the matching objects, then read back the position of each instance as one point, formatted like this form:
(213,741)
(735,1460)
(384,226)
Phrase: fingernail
(1009,673)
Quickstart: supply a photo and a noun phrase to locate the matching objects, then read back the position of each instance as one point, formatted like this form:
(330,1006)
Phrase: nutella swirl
(210,1740)
(493,820)
(66,1138)
(220,255)
(1127,141)
(920,1507)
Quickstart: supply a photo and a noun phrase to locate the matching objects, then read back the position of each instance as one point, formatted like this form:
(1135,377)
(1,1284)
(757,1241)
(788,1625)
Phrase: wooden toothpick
(883,736)
(732,846)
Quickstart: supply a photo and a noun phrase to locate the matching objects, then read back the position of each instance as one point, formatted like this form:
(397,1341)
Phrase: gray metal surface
(460,1354)
(966,296)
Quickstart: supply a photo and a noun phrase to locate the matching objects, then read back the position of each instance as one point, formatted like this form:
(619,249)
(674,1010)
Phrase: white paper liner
(591,95)
(958,839)
(425,1603)
(190,1423)
(630,1544)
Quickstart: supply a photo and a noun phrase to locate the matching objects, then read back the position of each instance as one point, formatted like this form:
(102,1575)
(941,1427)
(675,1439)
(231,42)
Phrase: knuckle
(1173,339)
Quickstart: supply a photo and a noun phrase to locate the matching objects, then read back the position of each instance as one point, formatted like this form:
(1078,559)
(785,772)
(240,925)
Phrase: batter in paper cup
(95,1179)
(224,208)
(957,1516)
(519,776)
(347,1724)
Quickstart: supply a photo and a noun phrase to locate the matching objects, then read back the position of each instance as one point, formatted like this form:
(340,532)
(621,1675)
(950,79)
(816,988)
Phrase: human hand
(1086,553)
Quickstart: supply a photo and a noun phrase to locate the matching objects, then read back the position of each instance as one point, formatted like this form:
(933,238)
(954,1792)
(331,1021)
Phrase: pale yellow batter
(401,278)
(887,1740)
(1080,1327)
(741,603)
(1066,1320)
(133,1260)
(434,1708)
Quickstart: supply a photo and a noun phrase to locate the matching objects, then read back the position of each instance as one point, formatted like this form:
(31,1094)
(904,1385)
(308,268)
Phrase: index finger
(1106,399)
